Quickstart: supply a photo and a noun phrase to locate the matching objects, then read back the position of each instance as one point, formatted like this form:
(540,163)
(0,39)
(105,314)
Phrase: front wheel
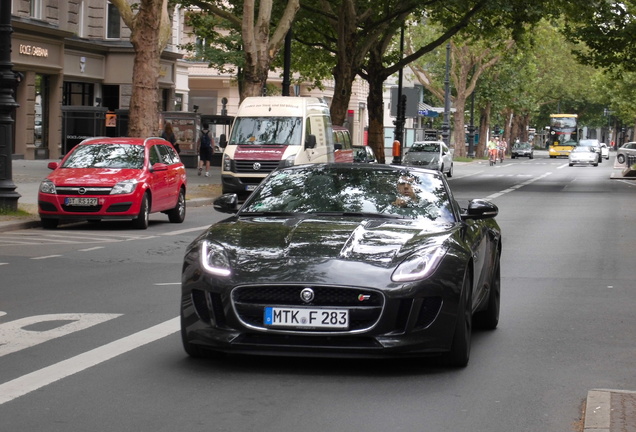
(450,171)
(620,158)
(177,214)
(143,218)
(489,318)
(459,353)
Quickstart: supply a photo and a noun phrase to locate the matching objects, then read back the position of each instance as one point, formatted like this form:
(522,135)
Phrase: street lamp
(446,123)
(8,195)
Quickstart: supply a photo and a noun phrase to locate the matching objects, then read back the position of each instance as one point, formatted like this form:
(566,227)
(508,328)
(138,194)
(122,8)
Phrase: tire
(531,156)
(450,171)
(49,223)
(141,222)
(596,164)
(177,214)
(489,318)
(571,164)
(459,353)
(620,158)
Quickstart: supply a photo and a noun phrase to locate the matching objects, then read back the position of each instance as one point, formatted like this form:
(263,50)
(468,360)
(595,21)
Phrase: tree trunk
(376,112)
(144,101)
(484,125)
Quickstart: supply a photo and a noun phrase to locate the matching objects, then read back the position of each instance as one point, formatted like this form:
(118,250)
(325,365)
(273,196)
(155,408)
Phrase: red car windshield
(106,156)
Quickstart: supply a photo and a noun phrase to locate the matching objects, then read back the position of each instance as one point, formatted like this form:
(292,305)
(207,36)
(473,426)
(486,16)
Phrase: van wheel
(450,171)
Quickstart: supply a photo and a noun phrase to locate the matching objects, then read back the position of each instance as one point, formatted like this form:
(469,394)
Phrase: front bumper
(125,206)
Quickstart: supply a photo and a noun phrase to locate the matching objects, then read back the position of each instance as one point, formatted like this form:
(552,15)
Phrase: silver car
(430,154)
(593,143)
(604,151)
(627,149)
(584,155)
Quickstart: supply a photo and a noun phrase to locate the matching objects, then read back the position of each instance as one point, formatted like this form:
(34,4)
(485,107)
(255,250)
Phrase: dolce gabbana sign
(33,50)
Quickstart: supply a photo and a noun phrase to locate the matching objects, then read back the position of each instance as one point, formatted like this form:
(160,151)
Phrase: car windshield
(588,142)
(522,145)
(425,147)
(267,131)
(583,149)
(346,191)
(106,156)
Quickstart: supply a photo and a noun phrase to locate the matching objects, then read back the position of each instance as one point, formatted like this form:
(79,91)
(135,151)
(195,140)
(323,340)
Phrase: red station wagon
(115,178)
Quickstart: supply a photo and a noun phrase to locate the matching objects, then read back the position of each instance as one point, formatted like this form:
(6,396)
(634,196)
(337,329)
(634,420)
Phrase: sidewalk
(27,175)
(610,411)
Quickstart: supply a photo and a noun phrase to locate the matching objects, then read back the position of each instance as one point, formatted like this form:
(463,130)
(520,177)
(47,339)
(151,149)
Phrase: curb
(607,410)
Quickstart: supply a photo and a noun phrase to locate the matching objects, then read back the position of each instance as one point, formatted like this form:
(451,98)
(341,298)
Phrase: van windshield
(267,131)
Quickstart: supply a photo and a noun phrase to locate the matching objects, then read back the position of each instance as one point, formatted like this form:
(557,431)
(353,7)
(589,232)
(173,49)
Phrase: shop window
(113,30)
(78,93)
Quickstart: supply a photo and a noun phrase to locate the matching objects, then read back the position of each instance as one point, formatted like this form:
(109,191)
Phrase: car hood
(323,248)
(92,176)
(422,158)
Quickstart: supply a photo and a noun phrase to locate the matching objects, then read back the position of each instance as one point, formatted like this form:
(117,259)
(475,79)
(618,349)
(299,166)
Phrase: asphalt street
(606,410)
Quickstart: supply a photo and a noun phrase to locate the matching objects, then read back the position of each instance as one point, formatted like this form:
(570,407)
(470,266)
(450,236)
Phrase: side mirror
(480,209)
(227,203)
(52,165)
(310,142)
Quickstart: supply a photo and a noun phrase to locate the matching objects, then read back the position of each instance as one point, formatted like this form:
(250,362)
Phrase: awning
(426,110)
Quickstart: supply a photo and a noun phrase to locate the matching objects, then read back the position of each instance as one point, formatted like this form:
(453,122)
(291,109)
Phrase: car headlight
(420,265)
(214,259)
(287,162)
(124,187)
(227,163)
(47,187)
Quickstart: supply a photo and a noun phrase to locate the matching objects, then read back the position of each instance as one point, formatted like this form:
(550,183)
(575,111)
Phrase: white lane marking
(517,186)
(40,378)
(563,166)
(185,231)
(1,263)
(15,337)
(167,283)
(46,257)
(91,249)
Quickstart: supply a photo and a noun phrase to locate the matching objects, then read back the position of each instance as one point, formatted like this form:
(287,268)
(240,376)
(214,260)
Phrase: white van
(275,131)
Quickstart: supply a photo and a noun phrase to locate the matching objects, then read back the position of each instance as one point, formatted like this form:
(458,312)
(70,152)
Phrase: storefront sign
(33,50)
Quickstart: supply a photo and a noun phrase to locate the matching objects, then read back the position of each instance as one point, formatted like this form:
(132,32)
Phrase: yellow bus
(563,135)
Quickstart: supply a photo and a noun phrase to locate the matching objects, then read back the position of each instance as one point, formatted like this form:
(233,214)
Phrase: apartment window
(113,30)
(78,93)
(36,9)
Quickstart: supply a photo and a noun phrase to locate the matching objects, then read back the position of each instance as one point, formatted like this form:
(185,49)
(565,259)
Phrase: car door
(158,181)
(172,176)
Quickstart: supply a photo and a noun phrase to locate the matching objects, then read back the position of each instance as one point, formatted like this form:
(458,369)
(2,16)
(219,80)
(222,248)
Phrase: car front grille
(365,306)
(82,191)
(255,167)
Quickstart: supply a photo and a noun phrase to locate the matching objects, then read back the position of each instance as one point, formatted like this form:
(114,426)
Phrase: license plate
(306,318)
(250,188)
(80,201)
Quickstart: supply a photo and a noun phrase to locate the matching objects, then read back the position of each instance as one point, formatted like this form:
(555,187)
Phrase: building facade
(74,63)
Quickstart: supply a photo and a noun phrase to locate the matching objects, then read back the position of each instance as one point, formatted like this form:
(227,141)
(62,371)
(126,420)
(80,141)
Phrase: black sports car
(344,260)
